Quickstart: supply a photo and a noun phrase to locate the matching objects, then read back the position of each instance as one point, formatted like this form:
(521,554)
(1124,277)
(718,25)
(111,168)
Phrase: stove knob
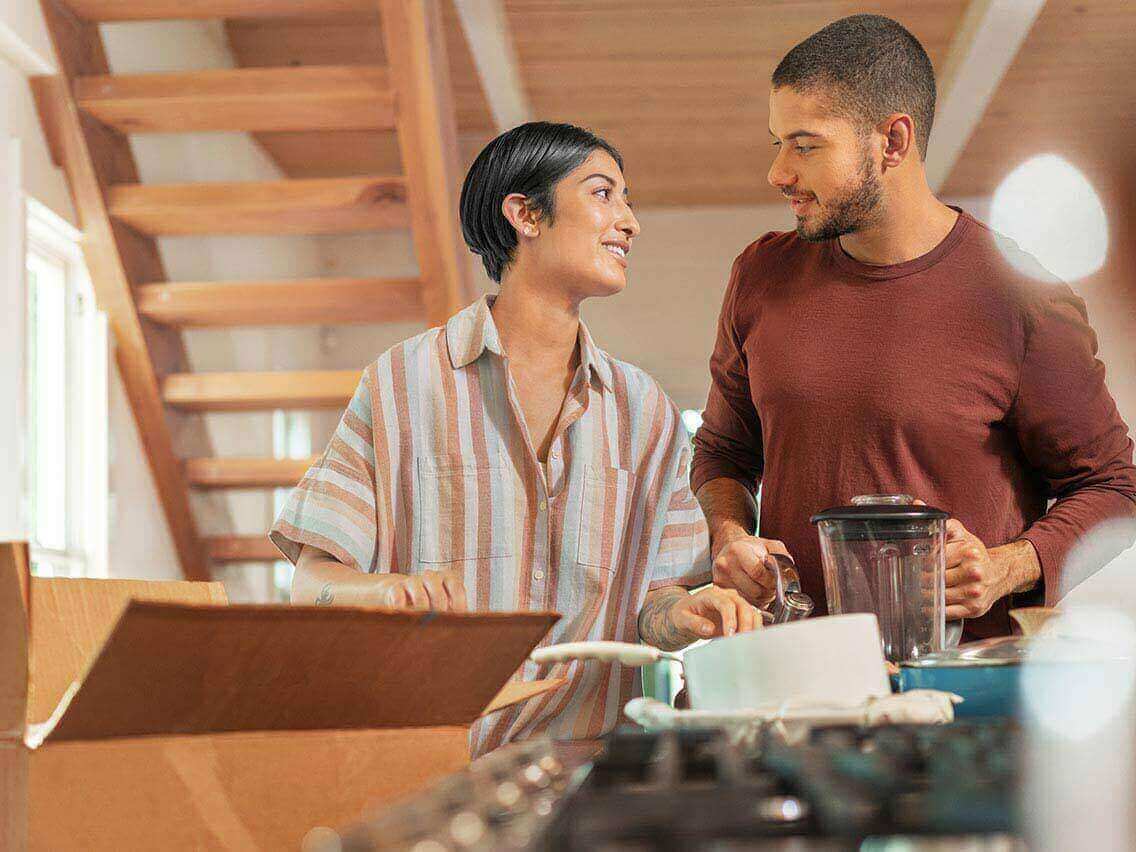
(467,829)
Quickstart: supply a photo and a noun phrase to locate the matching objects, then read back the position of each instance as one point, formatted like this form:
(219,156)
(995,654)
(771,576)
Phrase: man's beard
(849,211)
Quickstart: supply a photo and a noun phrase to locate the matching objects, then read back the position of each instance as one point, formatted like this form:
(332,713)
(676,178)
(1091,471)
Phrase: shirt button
(538,575)
(543,506)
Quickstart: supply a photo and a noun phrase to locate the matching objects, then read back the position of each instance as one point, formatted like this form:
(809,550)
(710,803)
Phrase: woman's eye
(606,193)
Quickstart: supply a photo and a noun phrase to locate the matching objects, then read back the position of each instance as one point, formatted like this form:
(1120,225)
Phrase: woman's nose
(627,222)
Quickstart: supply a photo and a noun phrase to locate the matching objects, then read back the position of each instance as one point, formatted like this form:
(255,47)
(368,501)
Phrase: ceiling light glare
(1048,207)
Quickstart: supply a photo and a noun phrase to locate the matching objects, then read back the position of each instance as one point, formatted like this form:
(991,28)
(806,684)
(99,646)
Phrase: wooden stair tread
(250,391)
(151,10)
(311,206)
(348,97)
(242,548)
(310,301)
(246,472)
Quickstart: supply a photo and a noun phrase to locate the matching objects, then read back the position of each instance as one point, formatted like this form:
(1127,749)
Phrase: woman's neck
(536,327)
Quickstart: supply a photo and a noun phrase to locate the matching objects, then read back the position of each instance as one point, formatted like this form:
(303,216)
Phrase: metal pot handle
(627,653)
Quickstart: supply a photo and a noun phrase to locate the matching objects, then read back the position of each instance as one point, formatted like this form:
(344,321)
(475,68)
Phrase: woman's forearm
(656,627)
(322,580)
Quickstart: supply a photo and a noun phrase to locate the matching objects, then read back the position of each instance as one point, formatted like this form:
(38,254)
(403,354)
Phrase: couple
(506,462)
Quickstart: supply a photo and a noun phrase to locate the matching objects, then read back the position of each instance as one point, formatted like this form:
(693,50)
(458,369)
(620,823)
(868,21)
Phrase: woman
(505,462)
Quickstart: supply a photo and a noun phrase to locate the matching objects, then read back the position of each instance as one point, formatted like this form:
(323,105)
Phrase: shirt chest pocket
(458,518)
(604,516)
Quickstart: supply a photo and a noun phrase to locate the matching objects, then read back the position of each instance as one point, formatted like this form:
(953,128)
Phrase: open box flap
(180,669)
(14,574)
(72,619)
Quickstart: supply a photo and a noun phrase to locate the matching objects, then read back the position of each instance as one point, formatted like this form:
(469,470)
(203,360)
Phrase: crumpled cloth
(793,720)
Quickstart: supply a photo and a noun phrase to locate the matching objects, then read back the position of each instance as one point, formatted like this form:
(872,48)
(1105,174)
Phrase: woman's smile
(619,249)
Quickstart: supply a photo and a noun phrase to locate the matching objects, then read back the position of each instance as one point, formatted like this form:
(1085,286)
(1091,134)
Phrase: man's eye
(804,149)
(606,192)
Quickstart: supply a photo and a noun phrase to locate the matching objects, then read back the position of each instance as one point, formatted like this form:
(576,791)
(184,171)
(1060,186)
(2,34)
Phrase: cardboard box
(155,715)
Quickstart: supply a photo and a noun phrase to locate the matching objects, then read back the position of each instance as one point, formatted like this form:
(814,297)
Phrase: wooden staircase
(87,114)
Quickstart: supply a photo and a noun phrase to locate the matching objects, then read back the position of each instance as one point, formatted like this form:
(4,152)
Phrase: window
(67,404)
(691,419)
(291,439)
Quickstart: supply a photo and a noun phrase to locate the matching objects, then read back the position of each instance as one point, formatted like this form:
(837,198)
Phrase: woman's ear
(516,210)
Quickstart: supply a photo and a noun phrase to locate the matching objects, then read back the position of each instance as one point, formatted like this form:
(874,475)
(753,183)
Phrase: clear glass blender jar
(886,555)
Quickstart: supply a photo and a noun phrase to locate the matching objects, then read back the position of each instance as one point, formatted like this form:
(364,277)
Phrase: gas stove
(894,787)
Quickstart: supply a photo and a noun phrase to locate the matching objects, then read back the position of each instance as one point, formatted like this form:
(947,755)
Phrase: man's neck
(907,227)
(537,328)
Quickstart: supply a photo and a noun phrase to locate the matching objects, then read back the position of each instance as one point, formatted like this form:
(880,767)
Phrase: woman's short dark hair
(530,159)
(867,67)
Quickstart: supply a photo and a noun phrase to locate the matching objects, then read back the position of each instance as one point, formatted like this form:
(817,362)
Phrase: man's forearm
(1019,562)
(655,624)
(730,511)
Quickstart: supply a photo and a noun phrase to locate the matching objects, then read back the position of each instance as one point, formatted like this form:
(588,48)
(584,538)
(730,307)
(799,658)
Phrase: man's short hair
(530,159)
(868,67)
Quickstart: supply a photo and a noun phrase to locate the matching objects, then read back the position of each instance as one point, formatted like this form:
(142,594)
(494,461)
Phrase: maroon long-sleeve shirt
(966,377)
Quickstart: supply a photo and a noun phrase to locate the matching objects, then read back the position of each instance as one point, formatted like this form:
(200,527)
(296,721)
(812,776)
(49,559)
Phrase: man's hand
(978,577)
(672,618)
(441,591)
(746,563)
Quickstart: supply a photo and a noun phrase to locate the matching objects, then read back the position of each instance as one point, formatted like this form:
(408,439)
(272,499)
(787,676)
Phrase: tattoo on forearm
(655,625)
(325,596)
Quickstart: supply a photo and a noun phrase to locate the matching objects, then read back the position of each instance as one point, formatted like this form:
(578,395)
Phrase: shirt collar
(471,331)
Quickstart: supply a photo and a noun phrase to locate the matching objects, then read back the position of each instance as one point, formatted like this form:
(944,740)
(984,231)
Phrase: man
(894,344)
(505,462)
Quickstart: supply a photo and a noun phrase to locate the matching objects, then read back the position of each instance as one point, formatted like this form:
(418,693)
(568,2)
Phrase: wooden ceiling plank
(315,206)
(91,159)
(352,97)
(251,391)
(427,134)
(490,42)
(313,301)
(982,51)
(246,472)
(156,10)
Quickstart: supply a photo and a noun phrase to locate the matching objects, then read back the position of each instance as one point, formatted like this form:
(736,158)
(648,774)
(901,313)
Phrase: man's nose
(779,177)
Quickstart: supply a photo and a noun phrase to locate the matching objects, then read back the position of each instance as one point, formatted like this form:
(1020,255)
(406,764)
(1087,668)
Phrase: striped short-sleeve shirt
(431,467)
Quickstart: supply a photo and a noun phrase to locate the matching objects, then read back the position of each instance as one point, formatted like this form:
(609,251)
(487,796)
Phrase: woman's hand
(441,591)
(672,618)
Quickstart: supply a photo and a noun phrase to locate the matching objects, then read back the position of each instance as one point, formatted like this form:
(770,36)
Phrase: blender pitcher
(885,555)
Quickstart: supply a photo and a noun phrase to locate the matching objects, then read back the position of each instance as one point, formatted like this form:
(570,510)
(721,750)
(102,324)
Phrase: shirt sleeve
(683,557)
(1071,434)
(334,505)
(728,444)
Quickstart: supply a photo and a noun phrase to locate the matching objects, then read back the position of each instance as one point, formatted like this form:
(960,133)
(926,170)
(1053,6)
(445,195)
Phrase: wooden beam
(983,49)
(153,10)
(349,97)
(416,53)
(313,301)
(246,472)
(490,42)
(93,158)
(316,206)
(261,391)
(242,548)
